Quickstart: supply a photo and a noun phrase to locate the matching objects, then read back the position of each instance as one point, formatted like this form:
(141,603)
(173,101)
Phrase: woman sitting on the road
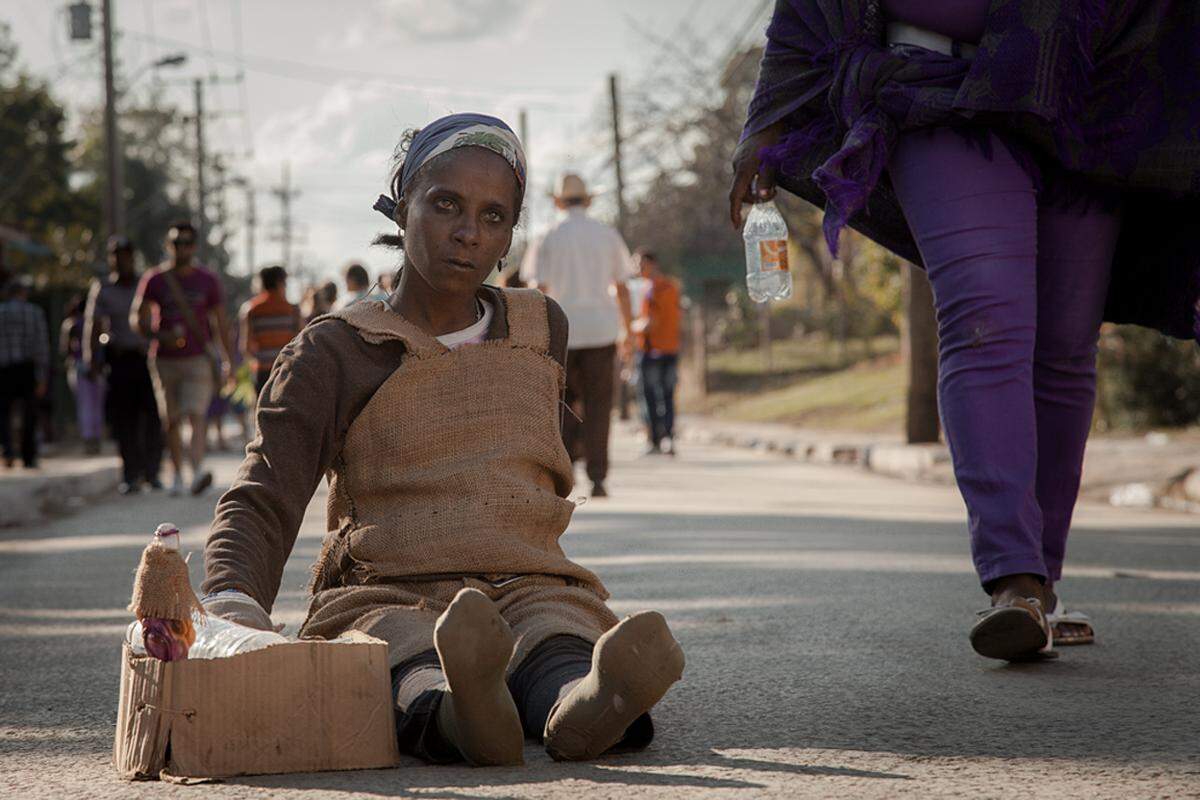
(435,415)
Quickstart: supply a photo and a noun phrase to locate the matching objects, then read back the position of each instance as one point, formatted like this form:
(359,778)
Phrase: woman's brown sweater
(318,386)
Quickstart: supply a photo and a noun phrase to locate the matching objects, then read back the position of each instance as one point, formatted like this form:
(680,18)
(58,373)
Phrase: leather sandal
(1070,627)
(1017,631)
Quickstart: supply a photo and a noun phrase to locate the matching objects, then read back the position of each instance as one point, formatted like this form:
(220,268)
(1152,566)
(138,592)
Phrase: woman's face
(459,218)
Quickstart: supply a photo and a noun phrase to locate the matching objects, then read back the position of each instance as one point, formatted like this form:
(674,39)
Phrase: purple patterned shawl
(1101,95)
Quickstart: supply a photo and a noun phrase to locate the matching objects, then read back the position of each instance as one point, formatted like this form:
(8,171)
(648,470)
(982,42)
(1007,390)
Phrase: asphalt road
(823,611)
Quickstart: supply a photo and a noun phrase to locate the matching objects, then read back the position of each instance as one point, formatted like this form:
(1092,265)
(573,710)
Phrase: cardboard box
(296,707)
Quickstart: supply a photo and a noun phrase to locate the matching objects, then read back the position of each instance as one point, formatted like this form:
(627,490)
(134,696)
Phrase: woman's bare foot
(478,714)
(633,666)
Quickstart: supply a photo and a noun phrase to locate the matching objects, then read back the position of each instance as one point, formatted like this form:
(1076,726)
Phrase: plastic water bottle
(766,236)
(215,638)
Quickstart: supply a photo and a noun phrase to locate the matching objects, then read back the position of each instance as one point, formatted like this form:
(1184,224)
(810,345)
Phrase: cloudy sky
(329,86)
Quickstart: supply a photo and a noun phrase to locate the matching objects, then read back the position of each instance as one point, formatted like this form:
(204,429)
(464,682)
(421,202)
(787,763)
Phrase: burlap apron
(454,475)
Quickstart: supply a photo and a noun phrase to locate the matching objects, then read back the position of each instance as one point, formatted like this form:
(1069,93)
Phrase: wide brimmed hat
(571,187)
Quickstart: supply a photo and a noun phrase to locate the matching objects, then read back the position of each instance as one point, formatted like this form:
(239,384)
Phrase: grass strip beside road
(806,387)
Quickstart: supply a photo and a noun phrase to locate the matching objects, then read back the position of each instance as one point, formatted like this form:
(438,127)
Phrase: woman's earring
(503,263)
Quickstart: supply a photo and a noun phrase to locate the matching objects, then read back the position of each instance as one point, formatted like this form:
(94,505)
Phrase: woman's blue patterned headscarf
(447,133)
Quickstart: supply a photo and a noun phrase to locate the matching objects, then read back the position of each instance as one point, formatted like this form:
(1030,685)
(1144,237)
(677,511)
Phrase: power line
(235,8)
(286,194)
(148,6)
(290,68)
(206,30)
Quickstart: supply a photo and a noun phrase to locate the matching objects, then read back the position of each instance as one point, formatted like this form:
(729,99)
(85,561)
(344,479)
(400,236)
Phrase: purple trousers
(89,403)
(1019,290)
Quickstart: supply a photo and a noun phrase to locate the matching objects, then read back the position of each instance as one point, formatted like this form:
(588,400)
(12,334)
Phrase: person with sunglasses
(179,307)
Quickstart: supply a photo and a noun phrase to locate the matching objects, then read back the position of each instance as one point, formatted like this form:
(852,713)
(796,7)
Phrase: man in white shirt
(583,264)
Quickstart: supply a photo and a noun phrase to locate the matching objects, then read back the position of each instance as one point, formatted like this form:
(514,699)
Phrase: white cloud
(340,125)
(436,22)
(339,149)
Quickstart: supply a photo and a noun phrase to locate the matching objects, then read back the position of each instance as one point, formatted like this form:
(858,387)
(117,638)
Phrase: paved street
(823,611)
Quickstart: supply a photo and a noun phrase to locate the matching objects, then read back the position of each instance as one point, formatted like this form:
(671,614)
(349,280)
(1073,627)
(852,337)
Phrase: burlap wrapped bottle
(163,600)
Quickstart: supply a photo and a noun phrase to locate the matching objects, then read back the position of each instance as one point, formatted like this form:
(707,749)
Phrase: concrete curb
(27,499)
(909,461)
(929,463)
(892,459)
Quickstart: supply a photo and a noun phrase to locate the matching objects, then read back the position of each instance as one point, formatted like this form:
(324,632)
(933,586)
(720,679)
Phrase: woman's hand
(746,167)
(240,608)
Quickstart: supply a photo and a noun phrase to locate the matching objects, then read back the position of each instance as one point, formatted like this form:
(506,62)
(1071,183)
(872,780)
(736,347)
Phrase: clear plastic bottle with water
(215,638)
(766,237)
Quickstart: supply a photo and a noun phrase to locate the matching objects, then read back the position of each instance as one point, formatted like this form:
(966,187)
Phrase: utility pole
(115,196)
(201,216)
(616,125)
(218,167)
(919,346)
(523,132)
(251,221)
(286,195)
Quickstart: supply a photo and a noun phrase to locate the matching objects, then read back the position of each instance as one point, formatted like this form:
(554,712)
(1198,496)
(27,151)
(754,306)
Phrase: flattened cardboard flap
(297,707)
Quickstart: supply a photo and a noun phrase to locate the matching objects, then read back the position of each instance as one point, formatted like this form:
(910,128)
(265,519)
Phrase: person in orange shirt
(268,322)
(657,330)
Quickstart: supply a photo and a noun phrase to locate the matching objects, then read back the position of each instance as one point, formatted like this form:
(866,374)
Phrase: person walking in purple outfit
(86,381)
(980,140)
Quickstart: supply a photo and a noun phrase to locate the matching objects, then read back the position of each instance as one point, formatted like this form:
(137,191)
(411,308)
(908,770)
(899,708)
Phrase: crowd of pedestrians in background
(152,359)
(148,356)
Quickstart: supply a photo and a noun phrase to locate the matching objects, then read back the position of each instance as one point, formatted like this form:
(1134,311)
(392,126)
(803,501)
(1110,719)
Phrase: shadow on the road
(627,770)
(802,633)
(610,772)
(851,634)
(146,509)
(759,765)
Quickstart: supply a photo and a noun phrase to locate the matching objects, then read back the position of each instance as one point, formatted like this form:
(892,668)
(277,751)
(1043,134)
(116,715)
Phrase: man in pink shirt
(179,307)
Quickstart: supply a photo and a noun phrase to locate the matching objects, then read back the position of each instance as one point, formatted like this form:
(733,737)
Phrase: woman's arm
(796,71)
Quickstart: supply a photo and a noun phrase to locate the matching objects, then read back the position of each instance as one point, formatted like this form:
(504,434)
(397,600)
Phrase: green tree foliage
(51,186)
(156,151)
(36,196)
(1146,381)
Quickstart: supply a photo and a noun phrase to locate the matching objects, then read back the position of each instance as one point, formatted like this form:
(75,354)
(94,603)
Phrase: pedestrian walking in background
(220,405)
(329,295)
(358,286)
(1041,160)
(179,306)
(110,343)
(629,388)
(312,304)
(657,329)
(268,322)
(85,379)
(24,368)
(583,264)
(434,415)
(387,283)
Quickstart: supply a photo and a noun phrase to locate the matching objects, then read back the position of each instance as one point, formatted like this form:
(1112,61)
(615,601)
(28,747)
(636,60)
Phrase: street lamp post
(115,196)
(114,155)
(112,133)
